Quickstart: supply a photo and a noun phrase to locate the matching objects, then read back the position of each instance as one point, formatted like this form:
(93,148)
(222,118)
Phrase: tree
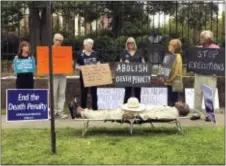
(197,14)
(11,13)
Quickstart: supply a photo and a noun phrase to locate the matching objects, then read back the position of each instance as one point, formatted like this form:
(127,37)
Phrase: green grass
(200,145)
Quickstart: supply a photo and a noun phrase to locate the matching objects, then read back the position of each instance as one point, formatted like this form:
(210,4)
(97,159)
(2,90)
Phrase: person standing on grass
(59,83)
(24,80)
(87,57)
(206,41)
(175,80)
(131,54)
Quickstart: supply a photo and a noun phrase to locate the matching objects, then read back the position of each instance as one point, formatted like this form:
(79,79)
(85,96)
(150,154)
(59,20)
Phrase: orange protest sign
(62,60)
(42,60)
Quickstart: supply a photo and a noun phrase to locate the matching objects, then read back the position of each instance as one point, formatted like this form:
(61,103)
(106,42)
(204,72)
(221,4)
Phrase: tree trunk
(88,29)
(34,28)
(44,28)
(79,25)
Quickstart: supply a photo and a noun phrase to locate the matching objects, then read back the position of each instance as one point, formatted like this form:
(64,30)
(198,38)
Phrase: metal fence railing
(109,23)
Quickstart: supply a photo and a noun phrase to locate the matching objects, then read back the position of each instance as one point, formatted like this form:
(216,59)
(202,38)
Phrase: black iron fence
(109,23)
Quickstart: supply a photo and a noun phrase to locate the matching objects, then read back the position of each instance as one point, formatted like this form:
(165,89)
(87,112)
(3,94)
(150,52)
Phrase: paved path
(62,123)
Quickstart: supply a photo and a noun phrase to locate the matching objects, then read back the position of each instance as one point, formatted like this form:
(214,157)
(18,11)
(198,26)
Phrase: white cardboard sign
(154,96)
(189,97)
(110,98)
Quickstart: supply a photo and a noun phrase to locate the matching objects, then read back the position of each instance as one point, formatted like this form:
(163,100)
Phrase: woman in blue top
(24,80)
(131,54)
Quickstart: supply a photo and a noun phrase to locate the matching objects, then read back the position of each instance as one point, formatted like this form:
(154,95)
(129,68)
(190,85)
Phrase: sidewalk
(63,123)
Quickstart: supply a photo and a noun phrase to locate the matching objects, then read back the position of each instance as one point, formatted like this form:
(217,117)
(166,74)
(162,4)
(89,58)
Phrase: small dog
(73,107)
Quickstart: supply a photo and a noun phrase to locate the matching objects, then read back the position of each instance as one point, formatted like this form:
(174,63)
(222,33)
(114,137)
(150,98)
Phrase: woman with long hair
(131,54)
(24,80)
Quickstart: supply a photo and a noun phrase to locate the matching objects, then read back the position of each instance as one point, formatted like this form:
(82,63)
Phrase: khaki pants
(59,85)
(210,81)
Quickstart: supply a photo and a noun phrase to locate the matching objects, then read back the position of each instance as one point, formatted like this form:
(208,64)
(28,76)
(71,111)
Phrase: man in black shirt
(87,57)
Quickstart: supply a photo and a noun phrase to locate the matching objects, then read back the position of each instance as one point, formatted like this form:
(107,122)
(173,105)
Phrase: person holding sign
(206,41)
(87,57)
(175,81)
(131,54)
(24,80)
(59,83)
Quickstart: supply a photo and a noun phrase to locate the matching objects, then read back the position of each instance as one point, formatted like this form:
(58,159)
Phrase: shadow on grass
(125,132)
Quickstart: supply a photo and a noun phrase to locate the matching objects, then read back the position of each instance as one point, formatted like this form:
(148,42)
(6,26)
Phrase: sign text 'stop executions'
(206,61)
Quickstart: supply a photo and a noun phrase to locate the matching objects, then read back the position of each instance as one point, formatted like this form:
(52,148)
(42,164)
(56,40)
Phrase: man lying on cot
(132,109)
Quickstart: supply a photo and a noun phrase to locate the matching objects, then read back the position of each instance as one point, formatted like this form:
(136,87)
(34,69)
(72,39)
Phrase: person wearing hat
(131,54)
(132,109)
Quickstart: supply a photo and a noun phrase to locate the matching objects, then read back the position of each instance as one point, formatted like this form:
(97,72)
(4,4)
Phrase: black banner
(133,74)
(167,65)
(206,61)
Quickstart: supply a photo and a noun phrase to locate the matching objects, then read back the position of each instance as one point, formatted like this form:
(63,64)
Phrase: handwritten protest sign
(166,66)
(62,60)
(26,105)
(208,99)
(189,97)
(206,61)
(133,74)
(94,75)
(24,65)
(154,96)
(110,98)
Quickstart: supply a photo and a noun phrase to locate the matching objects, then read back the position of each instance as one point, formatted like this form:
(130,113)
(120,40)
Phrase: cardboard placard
(166,66)
(110,98)
(94,75)
(206,61)
(62,60)
(133,74)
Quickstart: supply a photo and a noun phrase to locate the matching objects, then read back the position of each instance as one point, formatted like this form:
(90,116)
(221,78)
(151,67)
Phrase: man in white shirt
(59,84)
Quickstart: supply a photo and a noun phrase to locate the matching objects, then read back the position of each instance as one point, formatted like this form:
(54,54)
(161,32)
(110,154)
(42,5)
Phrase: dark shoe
(195,117)
(207,119)
(73,105)
(72,111)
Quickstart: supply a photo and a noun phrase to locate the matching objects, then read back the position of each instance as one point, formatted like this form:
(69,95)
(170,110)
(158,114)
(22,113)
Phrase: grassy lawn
(115,146)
